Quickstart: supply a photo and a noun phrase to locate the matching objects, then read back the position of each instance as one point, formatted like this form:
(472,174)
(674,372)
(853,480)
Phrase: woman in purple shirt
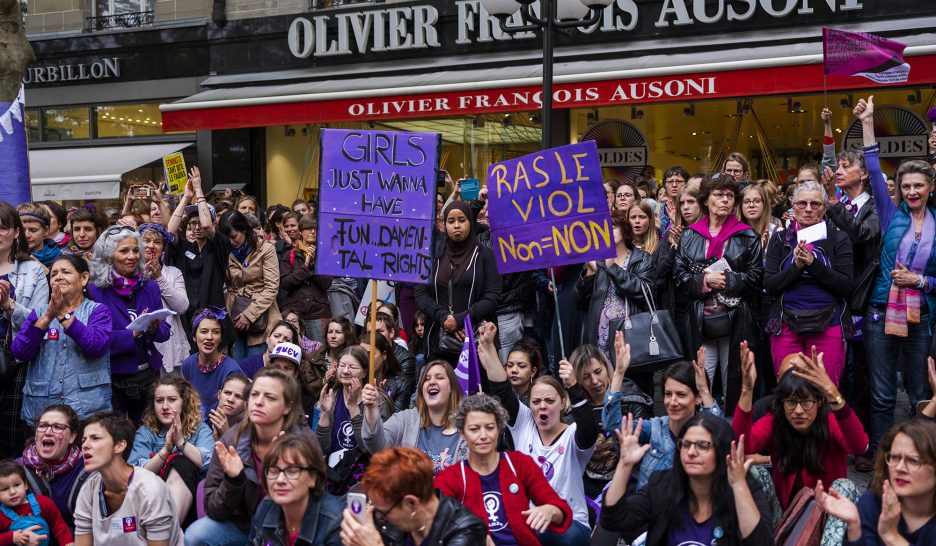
(810,280)
(117,281)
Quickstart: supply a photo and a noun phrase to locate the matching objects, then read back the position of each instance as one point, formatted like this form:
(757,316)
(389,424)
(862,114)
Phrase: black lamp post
(554,15)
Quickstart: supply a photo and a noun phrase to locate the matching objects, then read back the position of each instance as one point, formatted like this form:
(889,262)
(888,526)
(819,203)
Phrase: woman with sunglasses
(899,508)
(297,510)
(407,509)
(810,431)
(708,497)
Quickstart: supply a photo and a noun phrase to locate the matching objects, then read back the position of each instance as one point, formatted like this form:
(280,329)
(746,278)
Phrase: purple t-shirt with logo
(498,527)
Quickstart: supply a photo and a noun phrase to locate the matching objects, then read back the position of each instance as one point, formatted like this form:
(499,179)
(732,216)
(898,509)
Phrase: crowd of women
(185,376)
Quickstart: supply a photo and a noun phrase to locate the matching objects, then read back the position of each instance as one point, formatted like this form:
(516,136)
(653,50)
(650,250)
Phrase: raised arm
(748,513)
(204,215)
(487,353)
(586,429)
(175,221)
(886,208)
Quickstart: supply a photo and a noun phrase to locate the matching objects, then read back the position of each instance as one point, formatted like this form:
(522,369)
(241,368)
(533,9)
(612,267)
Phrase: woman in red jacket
(499,487)
(810,430)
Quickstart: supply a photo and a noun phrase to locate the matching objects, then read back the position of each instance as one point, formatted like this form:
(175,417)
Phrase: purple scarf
(124,286)
(717,242)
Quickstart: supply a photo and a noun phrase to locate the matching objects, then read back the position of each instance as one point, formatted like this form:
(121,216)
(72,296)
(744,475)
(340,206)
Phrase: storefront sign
(377,204)
(621,146)
(900,132)
(96,70)
(549,209)
(465,22)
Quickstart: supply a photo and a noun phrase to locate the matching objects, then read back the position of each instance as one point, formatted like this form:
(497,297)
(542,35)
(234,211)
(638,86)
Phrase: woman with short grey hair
(481,481)
(117,281)
(809,271)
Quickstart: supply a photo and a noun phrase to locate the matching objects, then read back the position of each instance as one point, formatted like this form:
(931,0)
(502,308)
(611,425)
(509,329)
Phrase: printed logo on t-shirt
(346,435)
(52,334)
(693,543)
(546,466)
(129,525)
(492,505)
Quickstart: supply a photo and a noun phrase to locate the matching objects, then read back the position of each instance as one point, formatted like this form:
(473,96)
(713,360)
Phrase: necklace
(206,368)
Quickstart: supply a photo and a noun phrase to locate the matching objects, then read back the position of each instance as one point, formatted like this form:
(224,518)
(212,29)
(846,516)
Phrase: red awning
(314,102)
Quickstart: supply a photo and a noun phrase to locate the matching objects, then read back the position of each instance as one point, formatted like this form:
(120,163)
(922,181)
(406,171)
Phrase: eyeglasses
(723,195)
(57,428)
(811,204)
(292,472)
(747,202)
(675,180)
(5,230)
(913,463)
(381,515)
(734,171)
(806,403)
(627,195)
(702,446)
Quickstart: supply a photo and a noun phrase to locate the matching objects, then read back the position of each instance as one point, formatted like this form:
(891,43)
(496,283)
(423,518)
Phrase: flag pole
(373,330)
(825,92)
(555,291)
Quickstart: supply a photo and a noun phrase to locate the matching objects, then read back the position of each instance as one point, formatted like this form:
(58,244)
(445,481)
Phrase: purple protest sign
(549,208)
(877,58)
(377,204)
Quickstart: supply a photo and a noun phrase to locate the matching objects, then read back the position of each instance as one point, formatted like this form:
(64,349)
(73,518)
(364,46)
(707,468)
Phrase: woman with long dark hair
(706,497)
(253,272)
(810,430)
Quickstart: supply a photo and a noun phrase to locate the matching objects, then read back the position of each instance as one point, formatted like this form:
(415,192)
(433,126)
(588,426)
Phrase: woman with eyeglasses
(233,487)
(719,265)
(118,282)
(810,430)
(674,182)
(297,510)
(899,508)
(405,508)
(810,280)
(625,195)
(708,497)
(67,343)
(738,166)
(53,462)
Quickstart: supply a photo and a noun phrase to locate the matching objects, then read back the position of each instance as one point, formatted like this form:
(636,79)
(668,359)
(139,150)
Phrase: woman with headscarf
(463,281)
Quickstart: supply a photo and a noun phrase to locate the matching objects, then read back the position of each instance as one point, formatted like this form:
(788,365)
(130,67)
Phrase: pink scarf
(51,469)
(717,242)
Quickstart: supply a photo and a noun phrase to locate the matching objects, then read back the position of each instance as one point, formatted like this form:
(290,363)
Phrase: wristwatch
(838,400)
(65,317)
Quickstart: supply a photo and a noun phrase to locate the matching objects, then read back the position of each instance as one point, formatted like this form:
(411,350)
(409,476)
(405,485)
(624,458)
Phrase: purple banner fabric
(549,209)
(14,155)
(861,54)
(377,204)
(468,371)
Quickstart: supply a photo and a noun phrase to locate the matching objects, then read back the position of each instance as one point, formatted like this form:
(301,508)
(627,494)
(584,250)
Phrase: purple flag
(14,153)
(861,54)
(468,370)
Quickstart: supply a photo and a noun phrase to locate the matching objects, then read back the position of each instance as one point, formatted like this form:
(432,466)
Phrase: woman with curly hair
(174,442)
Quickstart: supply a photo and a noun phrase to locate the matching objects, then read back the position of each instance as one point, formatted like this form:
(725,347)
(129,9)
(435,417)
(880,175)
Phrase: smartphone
(470,188)
(440,178)
(357,504)
(141,192)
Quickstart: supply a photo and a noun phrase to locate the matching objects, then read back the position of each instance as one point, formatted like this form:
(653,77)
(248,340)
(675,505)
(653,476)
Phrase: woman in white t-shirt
(561,450)
(121,505)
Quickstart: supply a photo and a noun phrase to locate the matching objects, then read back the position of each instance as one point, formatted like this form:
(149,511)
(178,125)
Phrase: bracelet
(922,284)
(159,454)
(184,443)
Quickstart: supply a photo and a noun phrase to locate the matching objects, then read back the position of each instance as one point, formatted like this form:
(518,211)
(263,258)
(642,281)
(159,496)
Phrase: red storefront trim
(679,88)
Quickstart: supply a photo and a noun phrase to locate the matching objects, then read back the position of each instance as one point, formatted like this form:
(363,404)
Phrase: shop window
(127,120)
(32,124)
(105,8)
(68,123)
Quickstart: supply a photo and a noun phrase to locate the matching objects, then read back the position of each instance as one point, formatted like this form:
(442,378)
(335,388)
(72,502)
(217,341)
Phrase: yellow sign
(174,167)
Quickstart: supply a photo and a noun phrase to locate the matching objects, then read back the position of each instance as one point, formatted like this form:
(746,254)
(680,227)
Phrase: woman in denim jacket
(685,388)
(28,288)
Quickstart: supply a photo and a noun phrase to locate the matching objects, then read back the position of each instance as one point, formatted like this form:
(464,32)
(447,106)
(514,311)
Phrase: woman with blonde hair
(757,200)
(174,442)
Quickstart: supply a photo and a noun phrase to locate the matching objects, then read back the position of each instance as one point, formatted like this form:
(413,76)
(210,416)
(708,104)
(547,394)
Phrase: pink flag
(861,54)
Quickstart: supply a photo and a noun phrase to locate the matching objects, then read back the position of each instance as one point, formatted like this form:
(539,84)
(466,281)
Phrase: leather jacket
(403,387)
(454,525)
(590,291)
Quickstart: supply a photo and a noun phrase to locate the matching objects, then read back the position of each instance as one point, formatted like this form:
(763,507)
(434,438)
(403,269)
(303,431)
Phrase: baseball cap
(193,209)
(289,351)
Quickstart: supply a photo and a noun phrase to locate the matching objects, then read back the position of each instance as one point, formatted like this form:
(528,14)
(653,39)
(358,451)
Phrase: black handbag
(652,336)
(717,325)
(448,343)
(809,322)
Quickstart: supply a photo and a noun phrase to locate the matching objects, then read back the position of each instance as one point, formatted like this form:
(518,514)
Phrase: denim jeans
(577,535)
(882,351)
(241,350)
(209,532)
(510,331)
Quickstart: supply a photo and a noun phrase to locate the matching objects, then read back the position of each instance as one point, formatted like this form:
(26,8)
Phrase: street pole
(549,9)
